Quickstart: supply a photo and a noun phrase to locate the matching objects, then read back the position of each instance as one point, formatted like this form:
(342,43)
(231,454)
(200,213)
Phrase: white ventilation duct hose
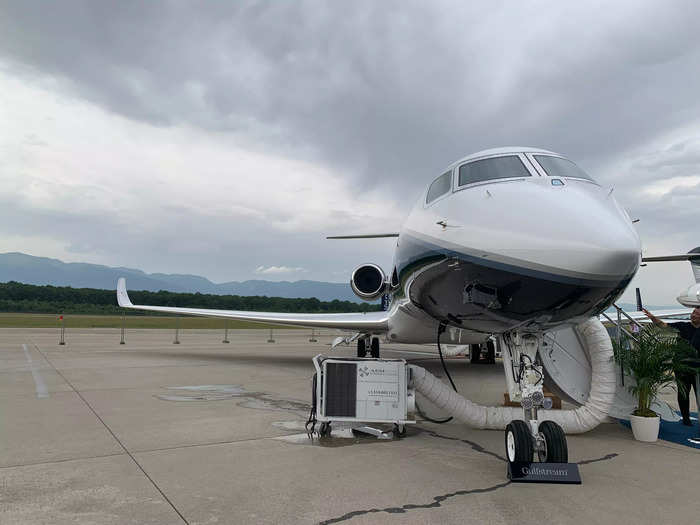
(582,419)
(454,350)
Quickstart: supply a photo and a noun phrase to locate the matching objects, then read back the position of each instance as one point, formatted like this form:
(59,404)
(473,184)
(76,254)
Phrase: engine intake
(368,281)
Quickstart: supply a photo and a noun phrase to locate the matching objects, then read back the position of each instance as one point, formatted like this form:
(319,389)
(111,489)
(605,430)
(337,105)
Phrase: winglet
(122,295)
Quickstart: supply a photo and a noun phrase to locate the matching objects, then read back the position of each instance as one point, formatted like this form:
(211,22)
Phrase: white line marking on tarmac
(41,390)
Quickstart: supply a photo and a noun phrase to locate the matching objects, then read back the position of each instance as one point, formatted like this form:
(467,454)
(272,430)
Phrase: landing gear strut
(524,377)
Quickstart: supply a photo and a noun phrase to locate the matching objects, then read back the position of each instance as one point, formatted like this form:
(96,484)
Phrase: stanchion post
(122,342)
(62,340)
(177,331)
(270,339)
(619,342)
(226,333)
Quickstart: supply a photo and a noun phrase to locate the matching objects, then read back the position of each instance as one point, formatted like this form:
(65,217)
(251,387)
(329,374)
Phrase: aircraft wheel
(361,348)
(474,353)
(325,430)
(518,441)
(491,352)
(555,447)
(374,349)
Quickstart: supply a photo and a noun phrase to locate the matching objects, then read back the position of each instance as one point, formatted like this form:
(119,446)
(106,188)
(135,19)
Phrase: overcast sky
(226,139)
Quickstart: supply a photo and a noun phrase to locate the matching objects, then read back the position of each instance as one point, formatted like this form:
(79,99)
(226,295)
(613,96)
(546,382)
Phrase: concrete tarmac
(204,432)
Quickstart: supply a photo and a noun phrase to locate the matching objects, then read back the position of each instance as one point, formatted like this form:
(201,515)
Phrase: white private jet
(514,242)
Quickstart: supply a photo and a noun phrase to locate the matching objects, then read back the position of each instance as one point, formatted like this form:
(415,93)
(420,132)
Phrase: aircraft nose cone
(600,239)
(614,247)
(577,231)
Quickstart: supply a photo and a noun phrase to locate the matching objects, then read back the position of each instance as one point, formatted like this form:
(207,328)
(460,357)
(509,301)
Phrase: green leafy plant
(652,360)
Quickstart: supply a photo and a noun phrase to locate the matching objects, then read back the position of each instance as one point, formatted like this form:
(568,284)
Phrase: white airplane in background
(513,242)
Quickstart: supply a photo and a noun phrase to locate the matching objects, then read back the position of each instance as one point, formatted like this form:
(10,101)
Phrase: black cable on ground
(428,418)
(441,329)
(311,422)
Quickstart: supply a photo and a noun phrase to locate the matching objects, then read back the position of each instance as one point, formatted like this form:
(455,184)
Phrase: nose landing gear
(526,437)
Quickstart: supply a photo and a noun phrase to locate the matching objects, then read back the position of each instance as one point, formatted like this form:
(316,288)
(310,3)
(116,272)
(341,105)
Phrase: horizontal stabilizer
(365,236)
(693,256)
(667,258)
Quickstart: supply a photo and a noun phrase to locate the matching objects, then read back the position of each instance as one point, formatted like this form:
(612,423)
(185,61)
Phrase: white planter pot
(645,428)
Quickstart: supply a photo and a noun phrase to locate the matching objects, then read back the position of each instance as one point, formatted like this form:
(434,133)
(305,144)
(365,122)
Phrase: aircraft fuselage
(530,252)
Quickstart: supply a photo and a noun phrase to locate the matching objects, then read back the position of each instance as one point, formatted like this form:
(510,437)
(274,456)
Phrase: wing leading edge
(374,322)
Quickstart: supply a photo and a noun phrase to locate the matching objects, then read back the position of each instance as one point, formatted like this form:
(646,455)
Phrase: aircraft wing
(370,322)
(365,236)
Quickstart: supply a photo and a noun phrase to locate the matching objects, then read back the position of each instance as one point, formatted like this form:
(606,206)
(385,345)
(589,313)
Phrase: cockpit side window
(490,169)
(558,167)
(440,186)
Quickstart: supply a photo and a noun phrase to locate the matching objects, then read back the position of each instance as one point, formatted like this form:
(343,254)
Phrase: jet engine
(368,281)
(690,298)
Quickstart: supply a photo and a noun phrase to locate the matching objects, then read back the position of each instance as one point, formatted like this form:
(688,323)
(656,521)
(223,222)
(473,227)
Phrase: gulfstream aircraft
(514,242)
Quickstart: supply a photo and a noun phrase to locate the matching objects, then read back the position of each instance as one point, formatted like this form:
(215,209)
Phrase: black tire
(325,430)
(554,437)
(522,449)
(374,348)
(474,353)
(491,352)
(361,348)
(400,430)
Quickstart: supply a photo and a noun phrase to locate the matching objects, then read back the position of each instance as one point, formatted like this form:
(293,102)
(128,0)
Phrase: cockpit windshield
(494,168)
(558,167)
(439,187)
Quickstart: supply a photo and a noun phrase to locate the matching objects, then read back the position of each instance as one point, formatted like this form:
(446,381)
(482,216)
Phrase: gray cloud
(389,93)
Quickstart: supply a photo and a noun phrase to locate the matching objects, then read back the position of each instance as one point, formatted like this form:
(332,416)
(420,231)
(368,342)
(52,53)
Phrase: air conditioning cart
(363,391)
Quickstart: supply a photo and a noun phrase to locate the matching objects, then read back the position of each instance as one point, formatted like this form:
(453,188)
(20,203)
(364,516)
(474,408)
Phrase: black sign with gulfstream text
(544,473)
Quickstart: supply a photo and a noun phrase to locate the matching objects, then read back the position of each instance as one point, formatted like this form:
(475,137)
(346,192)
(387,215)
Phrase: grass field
(10,320)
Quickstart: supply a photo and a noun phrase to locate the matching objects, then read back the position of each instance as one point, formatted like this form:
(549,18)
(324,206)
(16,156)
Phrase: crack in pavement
(604,458)
(437,502)
(475,446)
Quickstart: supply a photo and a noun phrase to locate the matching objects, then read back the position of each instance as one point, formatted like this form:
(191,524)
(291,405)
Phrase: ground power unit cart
(362,391)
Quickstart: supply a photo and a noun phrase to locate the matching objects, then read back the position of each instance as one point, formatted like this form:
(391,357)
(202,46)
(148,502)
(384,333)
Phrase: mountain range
(29,269)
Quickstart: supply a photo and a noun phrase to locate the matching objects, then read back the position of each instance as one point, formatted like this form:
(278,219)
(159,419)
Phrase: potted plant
(651,361)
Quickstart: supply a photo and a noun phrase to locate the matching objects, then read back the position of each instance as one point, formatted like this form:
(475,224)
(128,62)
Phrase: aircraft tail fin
(695,264)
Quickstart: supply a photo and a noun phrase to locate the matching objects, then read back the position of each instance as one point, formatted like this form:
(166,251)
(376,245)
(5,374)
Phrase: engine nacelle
(368,281)
(691,297)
